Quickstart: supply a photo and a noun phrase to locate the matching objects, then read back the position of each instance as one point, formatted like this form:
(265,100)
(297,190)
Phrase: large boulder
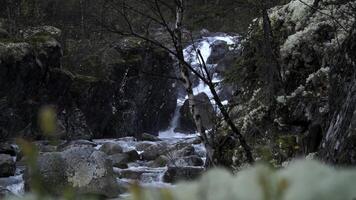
(119,160)
(7,165)
(86,170)
(186,122)
(219,49)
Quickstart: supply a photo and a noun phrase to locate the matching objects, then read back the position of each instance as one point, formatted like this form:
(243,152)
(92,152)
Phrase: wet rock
(111,148)
(186,151)
(119,160)
(7,165)
(5,192)
(75,143)
(154,151)
(161,161)
(219,49)
(152,107)
(149,137)
(186,122)
(132,155)
(174,174)
(85,169)
(142,146)
(186,161)
(8,148)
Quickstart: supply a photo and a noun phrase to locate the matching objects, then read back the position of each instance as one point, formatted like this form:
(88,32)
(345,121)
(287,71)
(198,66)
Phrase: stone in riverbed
(186,161)
(174,174)
(7,148)
(219,49)
(85,169)
(132,155)
(111,148)
(7,165)
(149,137)
(119,160)
(186,122)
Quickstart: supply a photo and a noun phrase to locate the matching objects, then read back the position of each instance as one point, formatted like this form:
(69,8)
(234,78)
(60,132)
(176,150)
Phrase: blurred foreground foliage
(301,180)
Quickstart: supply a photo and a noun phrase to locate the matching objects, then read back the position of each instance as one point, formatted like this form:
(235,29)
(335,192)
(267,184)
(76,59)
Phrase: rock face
(7,165)
(87,106)
(134,67)
(186,123)
(314,97)
(86,170)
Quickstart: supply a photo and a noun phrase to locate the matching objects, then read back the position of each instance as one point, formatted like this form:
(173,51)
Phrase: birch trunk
(184,73)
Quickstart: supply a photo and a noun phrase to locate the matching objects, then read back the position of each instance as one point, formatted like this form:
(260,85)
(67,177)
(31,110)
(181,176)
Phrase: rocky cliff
(312,112)
(124,101)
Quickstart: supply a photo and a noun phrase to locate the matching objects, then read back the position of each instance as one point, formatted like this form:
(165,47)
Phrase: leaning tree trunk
(184,73)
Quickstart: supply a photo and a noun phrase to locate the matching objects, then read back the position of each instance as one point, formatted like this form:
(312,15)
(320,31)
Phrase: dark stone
(174,174)
(10,149)
(7,165)
(219,49)
(186,122)
(119,160)
(149,137)
(132,155)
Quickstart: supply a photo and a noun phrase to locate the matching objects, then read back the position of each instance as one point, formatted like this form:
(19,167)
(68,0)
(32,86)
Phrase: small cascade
(191,56)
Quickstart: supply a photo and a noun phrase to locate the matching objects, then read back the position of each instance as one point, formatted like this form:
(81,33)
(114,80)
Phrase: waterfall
(191,56)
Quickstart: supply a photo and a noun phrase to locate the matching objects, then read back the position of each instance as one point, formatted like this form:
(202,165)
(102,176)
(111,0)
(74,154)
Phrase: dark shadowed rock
(132,155)
(8,148)
(186,123)
(7,165)
(119,160)
(218,50)
(174,174)
(149,137)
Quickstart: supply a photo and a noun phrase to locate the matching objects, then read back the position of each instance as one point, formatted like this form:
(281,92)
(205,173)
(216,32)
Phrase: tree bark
(184,73)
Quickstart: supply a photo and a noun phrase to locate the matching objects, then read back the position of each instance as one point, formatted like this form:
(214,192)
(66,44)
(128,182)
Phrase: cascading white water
(191,56)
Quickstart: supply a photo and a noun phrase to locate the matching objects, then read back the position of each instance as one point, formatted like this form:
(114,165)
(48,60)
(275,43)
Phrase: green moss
(39,38)
(10,40)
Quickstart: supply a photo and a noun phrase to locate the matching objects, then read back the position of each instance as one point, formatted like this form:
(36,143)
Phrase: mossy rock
(81,83)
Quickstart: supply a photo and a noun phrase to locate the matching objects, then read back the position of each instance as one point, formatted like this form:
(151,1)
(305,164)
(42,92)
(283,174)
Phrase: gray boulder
(119,160)
(7,165)
(186,122)
(111,148)
(186,161)
(84,169)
